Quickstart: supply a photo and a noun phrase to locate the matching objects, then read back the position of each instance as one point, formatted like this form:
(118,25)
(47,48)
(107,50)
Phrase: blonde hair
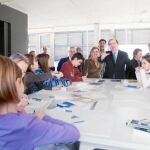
(9,73)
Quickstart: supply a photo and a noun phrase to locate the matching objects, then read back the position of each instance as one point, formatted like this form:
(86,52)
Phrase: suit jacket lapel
(112,58)
(118,57)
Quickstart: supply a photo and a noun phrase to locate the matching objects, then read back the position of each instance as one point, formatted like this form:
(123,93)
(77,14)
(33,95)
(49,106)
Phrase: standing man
(136,62)
(32,53)
(101,45)
(45,50)
(72,51)
(116,61)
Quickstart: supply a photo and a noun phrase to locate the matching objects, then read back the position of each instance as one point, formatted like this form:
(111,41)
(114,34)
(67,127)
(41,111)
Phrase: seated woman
(22,130)
(143,73)
(33,82)
(70,70)
(92,67)
(23,62)
(56,78)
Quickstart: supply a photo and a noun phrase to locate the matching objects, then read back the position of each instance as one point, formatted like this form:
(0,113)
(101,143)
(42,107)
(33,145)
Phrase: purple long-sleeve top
(21,131)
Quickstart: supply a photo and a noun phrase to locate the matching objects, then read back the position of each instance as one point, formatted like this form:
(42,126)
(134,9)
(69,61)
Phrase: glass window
(141,36)
(124,36)
(44,41)
(107,34)
(33,42)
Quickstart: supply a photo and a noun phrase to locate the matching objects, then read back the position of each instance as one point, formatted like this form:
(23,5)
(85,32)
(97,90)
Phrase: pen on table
(132,86)
(93,105)
(79,121)
(68,110)
(37,99)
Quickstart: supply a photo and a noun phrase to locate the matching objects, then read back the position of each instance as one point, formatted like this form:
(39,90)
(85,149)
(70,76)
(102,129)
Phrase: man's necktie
(114,56)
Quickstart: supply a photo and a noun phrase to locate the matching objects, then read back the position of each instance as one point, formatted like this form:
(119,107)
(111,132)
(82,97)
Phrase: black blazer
(131,71)
(118,70)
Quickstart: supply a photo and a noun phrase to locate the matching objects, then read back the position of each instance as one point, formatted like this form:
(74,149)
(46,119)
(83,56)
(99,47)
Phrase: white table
(105,126)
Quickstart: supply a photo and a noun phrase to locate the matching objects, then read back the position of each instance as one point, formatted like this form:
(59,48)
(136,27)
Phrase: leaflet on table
(65,104)
(37,106)
(42,94)
(47,94)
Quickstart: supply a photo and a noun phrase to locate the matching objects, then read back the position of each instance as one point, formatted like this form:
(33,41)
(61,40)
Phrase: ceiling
(54,13)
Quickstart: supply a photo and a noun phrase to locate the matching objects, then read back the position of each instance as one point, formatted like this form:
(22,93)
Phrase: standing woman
(92,67)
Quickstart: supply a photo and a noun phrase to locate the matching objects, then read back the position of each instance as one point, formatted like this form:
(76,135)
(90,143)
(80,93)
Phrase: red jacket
(71,72)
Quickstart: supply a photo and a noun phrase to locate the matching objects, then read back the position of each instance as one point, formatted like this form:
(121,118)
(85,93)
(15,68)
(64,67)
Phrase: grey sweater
(31,80)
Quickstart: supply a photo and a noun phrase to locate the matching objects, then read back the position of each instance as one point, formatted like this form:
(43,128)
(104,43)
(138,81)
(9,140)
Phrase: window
(141,36)
(133,36)
(44,41)
(107,34)
(34,43)
(124,36)
(60,45)
(64,40)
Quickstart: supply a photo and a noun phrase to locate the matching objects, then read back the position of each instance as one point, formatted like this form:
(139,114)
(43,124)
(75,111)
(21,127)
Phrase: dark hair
(71,47)
(78,56)
(135,52)
(113,39)
(102,40)
(147,57)
(43,61)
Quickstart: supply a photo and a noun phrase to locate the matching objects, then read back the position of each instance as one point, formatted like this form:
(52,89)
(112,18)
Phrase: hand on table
(57,74)
(57,87)
(40,114)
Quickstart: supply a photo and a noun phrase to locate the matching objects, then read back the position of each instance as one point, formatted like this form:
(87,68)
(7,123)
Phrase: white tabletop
(105,124)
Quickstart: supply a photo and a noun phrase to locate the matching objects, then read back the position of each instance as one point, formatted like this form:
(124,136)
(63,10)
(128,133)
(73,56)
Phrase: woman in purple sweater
(22,131)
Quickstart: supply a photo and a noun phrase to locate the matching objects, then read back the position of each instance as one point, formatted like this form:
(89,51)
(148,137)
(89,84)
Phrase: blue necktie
(114,56)
(139,62)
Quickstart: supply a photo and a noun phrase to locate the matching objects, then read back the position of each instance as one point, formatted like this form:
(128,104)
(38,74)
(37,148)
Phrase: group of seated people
(18,129)
(33,130)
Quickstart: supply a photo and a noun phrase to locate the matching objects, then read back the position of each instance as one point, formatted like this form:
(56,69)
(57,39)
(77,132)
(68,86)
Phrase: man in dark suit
(72,51)
(136,62)
(116,61)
